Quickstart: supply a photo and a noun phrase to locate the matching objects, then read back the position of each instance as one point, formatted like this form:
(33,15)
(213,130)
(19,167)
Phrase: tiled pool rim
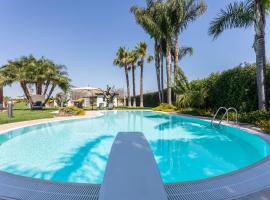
(237,184)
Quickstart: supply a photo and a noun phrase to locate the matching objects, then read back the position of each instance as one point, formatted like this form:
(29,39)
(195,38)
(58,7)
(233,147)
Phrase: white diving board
(132,172)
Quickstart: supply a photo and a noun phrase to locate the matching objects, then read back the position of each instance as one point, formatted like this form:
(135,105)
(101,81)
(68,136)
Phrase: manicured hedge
(235,87)
(151,99)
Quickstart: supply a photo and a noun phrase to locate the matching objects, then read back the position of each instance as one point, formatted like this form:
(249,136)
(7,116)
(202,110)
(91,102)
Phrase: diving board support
(131,171)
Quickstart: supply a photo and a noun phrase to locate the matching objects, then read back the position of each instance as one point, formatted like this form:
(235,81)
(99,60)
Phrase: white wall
(100,100)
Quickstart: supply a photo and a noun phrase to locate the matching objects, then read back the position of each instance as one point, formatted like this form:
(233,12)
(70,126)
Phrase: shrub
(79,103)
(165,108)
(62,99)
(264,125)
(254,117)
(196,112)
(71,111)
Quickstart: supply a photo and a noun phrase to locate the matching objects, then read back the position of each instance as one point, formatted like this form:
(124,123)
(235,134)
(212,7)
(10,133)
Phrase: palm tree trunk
(141,85)
(162,75)
(168,68)
(26,92)
(128,87)
(1,98)
(259,47)
(176,54)
(39,87)
(46,87)
(157,63)
(50,94)
(134,84)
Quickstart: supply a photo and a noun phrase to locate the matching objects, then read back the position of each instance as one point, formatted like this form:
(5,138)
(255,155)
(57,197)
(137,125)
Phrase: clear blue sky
(85,34)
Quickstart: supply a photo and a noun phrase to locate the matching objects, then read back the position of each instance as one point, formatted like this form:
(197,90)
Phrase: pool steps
(227,110)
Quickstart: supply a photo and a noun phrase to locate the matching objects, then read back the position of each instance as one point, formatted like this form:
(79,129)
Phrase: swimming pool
(185,149)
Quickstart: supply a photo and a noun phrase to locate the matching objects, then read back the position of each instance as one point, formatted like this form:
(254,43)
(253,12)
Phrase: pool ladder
(226,114)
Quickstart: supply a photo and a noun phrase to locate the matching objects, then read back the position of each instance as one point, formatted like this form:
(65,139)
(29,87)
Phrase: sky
(84,35)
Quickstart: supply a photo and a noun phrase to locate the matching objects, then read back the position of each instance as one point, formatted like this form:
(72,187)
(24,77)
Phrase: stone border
(238,184)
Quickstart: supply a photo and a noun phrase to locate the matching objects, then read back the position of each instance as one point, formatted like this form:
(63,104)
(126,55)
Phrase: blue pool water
(77,151)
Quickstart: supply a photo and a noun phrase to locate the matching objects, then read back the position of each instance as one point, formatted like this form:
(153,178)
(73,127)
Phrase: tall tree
(59,79)
(122,60)
(182,12)
(24,71)
(183,52)
(1,97)
(20,70)
(244,14)
(147,19)
(141,50)
(167,31)
(2,82)
(133,56)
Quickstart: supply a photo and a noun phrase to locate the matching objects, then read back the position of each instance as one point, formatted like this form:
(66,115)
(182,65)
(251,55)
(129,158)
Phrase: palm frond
(236,15)
(192,10)
(184,51)
(266,4)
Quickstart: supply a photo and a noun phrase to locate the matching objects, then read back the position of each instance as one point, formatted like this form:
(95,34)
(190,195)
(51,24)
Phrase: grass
(22,113)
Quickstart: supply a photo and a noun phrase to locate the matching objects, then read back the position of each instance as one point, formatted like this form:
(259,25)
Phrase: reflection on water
(77,151)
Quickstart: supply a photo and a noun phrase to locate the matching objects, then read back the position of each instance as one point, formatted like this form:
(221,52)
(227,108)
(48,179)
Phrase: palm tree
(2,83)
(163,21)
(19,71)
(242,15)
(165,34)
(141,50)
(58,79)
(42,70)
(1,96)
(181,13)
(147,19)
(183,52)
(27,71)
(122,60)
(133,56)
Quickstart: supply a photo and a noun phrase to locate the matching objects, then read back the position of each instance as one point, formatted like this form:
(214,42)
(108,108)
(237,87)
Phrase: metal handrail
(224,108)
(225,114)
(236,117)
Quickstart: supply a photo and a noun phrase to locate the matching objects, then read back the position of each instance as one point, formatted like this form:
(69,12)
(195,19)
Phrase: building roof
(86,88)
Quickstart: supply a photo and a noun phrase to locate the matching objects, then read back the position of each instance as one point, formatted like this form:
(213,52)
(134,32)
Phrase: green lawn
(22,113)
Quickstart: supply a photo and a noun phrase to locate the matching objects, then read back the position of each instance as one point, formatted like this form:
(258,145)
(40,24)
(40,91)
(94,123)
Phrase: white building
(92,97)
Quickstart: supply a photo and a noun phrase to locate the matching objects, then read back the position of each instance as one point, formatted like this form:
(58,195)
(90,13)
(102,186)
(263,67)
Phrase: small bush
(79,103)
(264,125)
(196,112)
(165,108)
(254,117)
(71,111)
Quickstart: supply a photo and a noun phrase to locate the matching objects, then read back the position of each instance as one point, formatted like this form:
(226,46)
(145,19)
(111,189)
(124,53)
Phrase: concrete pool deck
(249,183)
